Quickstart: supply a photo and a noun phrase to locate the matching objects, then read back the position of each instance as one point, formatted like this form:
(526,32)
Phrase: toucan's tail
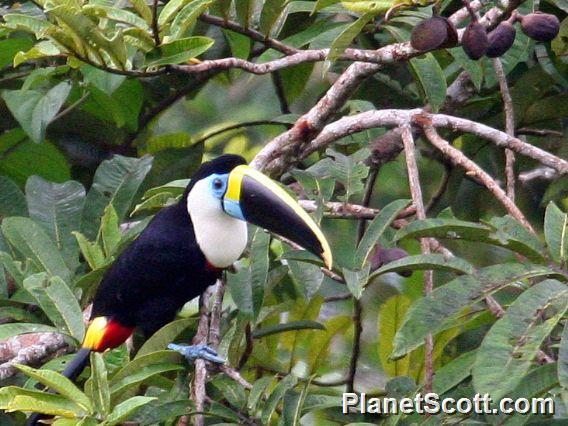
(72,371)
(77,364)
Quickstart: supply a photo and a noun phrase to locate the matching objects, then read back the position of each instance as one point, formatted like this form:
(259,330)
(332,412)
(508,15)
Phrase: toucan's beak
(255,198)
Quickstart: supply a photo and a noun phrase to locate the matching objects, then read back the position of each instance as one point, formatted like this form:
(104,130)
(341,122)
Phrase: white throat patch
(221,237)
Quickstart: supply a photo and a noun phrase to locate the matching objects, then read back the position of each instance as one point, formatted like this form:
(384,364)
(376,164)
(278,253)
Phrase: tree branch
(391,117)
(30,349)
(418,201)
(458,158)
(249,32)
(509,127)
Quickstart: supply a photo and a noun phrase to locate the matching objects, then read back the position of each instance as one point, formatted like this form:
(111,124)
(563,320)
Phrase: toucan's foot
(192,352)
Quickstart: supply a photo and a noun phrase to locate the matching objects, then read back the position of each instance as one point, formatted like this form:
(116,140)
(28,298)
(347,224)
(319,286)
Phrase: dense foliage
(107,107)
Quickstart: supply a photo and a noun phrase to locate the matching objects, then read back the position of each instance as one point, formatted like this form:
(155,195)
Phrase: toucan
(185,248)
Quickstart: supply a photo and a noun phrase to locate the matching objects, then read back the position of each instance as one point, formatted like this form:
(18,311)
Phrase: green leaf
(143,10)
(89,38)
(158,412)
(102,80)
(170,10)
(349,171)
(504,232)
(35,110)
(344,39)
(119,387)
(271,11)
(15,153)
(356,280)
(12,200)
(15,329)
(307,276)
(292,406)
(563,358)
(97,386)
(427,262)
(42,50)
(453,373)
(257,392)
(115,14)
(109,233)
(40,27)
(473,68)
(439,310)
(60,384)
(277,394)
(13,398)
(540,381)
(57,208)
(116,182)
(259,268)
(92,252)
(155,202)
(167,334)
(244,9)
(32,242)
(373,7)
(376,229)
(318,342)
(229,390)
(556,232)
(138,364)
(10,47)
(58,302)
(125,409)
(510,346)
(187,16)
(239,286)
(391,315)
(430,78)
(289,326)
(178,51)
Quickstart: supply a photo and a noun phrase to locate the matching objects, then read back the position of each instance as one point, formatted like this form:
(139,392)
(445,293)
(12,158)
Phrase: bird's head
(226,188)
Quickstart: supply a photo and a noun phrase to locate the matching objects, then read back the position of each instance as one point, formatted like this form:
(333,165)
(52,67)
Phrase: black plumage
(163,268)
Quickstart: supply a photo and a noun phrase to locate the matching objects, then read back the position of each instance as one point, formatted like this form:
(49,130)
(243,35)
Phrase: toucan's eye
(217,184)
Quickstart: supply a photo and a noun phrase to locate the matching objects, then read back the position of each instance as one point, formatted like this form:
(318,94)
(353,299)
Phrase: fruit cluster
(439,32)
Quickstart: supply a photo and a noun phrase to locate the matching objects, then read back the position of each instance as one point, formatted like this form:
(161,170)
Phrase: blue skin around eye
(231,207)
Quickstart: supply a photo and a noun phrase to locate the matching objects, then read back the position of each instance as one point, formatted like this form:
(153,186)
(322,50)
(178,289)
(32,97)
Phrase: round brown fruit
(474,40)
(540,26)
(430,34)
(500,39)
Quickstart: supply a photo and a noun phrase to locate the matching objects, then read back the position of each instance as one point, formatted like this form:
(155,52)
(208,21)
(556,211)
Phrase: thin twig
(541,172)
(416,192)
(337,297)
(437,196)
(71,107)
(509,126)
(155,29)
(249,32)
(356,350)
(198,393)
(458,158)
(339,210)
(539,132)
(369,186)
(279,87)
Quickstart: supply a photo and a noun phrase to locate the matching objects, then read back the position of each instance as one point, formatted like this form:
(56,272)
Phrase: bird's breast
(222,239)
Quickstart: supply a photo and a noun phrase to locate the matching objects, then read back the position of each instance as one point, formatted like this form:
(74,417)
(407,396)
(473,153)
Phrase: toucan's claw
(192,352)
